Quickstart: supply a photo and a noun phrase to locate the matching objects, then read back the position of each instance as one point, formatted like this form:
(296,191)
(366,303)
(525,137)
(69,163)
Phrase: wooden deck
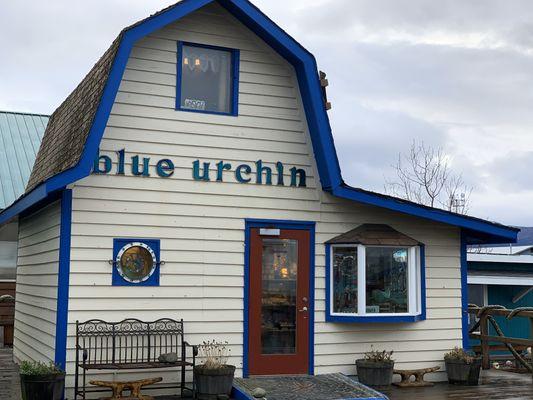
(494,385)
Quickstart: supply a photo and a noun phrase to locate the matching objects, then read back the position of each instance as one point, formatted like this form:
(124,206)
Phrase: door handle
(304,309)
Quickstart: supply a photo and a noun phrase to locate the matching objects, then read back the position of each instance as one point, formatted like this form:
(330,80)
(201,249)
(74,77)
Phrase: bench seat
(132,344)
(141,365)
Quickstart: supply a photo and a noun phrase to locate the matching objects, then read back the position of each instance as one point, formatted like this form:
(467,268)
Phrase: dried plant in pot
(40,381)
(214,376)
(462,367)
(376,368)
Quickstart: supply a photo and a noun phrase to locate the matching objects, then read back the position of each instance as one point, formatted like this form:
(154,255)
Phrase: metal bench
(131,344)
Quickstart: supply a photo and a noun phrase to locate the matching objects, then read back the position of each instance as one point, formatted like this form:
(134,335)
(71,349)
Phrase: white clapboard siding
(201,224)
(37,272)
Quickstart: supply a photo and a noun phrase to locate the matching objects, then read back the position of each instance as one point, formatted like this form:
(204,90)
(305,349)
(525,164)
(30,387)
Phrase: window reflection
(278,301)
(344,279)
(386,280)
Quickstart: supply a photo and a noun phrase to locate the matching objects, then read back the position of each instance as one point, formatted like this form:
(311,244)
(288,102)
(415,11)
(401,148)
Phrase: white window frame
(414,301)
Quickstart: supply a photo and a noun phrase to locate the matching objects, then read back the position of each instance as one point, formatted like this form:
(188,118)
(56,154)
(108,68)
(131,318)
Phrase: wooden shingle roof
(374,235)
(69,125)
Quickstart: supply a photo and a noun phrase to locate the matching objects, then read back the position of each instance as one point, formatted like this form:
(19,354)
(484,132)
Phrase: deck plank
(494,385)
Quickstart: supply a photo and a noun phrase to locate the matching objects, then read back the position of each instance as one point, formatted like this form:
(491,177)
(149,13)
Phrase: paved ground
(9,377)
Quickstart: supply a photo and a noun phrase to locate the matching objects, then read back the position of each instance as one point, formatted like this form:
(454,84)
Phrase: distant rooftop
(20,138)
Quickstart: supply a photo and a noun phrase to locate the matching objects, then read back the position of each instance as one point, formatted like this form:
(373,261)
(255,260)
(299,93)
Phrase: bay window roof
(374,235)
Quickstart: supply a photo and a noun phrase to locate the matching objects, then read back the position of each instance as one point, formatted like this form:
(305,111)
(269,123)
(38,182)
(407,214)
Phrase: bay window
(374,273)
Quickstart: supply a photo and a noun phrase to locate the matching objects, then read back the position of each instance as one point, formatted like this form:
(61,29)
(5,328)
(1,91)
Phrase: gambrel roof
(73,135)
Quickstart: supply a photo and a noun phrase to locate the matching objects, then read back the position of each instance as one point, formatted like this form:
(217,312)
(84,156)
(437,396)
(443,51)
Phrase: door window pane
(345,280)
(278,300)
(386,280)
(206,79)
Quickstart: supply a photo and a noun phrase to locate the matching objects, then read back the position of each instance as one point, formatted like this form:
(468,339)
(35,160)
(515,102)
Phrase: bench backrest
(129,341)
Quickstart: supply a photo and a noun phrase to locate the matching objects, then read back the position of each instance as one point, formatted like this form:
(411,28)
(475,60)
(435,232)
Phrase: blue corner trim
(280,224)
(375,318)
(464,292)
(63,279)
(305,65)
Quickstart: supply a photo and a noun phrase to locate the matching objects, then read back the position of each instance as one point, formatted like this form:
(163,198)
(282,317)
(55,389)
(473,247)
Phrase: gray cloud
(457,74)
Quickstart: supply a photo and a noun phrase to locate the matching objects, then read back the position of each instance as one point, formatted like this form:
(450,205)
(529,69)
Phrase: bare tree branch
(424,176)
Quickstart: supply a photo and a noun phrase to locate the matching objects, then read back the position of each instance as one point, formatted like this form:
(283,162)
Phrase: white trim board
(500,280)
(500,258)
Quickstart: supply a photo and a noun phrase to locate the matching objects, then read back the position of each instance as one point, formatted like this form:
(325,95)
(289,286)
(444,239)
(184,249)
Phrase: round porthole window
(136,262)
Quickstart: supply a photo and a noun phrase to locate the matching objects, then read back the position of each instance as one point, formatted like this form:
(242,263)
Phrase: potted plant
(213,377)
(40,381)
(462,367)
(376,368)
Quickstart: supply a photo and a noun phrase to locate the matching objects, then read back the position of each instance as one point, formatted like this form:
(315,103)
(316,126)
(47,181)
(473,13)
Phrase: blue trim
(63,278)
(464,291)
(238,393)
(375,318)
(304,63)
(495,231)
(280,224)
(153,280)
(235,60)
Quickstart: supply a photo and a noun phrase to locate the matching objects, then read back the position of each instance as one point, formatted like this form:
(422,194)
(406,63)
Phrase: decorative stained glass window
(135,262)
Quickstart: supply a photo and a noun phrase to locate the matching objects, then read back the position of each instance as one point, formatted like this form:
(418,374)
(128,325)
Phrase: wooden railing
(516,346)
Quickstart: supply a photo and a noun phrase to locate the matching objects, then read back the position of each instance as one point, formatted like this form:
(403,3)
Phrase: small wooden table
(133,386)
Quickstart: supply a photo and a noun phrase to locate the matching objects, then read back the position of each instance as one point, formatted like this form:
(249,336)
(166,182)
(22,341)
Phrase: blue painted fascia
(63,279)
(495,232)
(279,224)
(317,120)
(464,292)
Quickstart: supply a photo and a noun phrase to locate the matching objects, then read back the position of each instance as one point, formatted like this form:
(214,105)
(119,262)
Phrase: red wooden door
(279,303)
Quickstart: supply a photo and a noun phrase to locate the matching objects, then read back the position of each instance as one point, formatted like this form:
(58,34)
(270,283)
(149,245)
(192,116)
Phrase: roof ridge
(25,113)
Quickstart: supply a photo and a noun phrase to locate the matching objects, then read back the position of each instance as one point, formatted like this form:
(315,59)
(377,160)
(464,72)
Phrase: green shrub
(39,368)
(461,355)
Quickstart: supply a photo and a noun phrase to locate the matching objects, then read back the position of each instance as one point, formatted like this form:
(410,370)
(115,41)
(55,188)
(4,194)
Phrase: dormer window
(207,79)
(374,274)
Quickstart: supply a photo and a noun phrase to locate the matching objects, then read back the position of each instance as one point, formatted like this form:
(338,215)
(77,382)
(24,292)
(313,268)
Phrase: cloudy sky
(457,74)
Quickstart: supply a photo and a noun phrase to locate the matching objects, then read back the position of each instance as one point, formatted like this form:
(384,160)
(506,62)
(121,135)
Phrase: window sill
(375,318)
(228,114)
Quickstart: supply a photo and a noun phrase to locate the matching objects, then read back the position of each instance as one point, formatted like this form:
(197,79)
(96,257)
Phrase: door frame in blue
(279,224)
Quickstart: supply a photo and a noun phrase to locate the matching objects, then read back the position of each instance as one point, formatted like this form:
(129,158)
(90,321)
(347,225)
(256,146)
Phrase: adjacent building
(20,138)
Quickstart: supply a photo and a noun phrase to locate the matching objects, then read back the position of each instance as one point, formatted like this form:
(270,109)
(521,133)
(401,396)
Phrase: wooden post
(484,330)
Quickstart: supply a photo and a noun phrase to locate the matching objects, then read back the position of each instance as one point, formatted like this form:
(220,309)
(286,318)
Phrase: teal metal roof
(20,138)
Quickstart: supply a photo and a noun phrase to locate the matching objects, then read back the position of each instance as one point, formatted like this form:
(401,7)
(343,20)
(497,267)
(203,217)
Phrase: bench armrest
(194,348)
